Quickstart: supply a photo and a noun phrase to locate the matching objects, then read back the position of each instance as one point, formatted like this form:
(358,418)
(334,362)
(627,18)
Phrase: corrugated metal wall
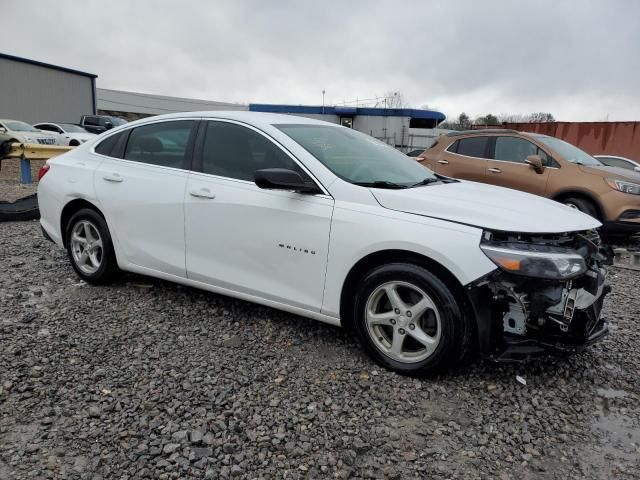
(33,93)
(613,138)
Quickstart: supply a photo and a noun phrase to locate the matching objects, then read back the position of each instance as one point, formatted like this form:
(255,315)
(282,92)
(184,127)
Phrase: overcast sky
(579,60)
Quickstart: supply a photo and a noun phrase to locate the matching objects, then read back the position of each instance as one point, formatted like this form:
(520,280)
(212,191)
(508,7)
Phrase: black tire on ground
(74,143)
(108,268)
(585,206)
(456,329)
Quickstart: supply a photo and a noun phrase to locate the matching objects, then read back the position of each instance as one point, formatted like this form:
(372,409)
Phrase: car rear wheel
(409,321)
(90,247)
(585,206)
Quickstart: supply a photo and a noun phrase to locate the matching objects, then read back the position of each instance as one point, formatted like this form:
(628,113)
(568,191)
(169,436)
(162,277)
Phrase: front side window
(235,151)
(358,158)
(473,147)
(90,120)
(163,144)
(514,149)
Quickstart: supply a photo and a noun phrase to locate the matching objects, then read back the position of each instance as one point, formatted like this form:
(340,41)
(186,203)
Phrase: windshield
(359,158)
(71,128)
(20,127)
(569,152)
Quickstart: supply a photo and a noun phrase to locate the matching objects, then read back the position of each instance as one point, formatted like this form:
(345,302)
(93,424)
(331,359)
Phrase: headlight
(28,139)
(626,187)
(535,260)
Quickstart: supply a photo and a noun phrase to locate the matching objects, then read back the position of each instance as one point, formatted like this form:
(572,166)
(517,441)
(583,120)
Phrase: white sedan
(328,223)
(21,132)
(68,133)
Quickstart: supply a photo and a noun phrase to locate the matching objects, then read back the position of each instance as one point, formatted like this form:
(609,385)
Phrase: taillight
(43,170)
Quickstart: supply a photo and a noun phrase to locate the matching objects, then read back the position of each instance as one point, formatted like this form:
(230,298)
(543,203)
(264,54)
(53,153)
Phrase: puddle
(621,438)
(611,393)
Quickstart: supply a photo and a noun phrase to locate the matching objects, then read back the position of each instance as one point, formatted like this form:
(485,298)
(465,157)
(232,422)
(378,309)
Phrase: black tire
(455,328)
(584,205)
(74,143)
(108,266)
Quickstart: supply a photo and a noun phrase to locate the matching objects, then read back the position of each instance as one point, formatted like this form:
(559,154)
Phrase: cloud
(577,60)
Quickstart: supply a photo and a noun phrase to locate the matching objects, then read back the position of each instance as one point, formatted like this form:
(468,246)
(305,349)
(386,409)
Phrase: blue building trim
(348,111)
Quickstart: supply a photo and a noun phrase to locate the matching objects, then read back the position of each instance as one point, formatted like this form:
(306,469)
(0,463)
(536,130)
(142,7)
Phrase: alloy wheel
(403,322)
(86,247)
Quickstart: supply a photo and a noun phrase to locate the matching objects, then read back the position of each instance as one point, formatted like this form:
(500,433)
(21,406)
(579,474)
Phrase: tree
(488,119)
(392,100)
(464,121)
(541,117)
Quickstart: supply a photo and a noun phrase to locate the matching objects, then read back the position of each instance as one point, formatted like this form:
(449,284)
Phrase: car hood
(605,171)
(486,206)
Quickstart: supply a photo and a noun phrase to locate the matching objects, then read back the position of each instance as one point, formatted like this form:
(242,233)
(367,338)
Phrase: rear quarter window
(113,146)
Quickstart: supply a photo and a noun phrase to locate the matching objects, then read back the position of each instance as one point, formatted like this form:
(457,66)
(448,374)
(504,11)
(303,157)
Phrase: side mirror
(3,130)
(536,163)
(283,179)
(108,125)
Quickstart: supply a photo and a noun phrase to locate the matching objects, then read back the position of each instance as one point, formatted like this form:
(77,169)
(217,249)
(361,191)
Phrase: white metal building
(35,92)
(134,105)
(404,128)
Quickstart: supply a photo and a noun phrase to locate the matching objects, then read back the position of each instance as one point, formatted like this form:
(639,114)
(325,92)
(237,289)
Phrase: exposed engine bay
(547,295)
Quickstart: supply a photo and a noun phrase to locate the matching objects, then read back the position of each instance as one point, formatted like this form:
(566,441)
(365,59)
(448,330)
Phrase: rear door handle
(114,177)
(495,170)
(202,193)
(443,162)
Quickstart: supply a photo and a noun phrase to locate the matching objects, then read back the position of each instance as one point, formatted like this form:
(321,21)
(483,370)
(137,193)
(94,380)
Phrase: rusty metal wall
(613,138)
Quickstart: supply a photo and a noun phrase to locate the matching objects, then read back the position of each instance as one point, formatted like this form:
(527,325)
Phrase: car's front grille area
(46,141)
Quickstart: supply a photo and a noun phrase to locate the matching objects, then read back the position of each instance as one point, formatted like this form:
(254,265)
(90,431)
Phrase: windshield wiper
(426,181)
(381,184)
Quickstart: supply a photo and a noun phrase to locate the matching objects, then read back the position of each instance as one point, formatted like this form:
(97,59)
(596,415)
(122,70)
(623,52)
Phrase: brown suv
(544,166)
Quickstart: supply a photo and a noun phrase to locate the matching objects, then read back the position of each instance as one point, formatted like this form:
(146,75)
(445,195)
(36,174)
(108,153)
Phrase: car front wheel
(90,248)
(409,321)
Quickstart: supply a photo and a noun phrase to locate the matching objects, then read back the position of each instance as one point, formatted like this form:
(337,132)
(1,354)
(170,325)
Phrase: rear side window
(472,147)
(163,144)
(91,121)
(113,146)
(235,151)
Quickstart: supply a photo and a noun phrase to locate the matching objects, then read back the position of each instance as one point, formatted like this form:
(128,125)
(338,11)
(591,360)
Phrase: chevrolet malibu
(331,224)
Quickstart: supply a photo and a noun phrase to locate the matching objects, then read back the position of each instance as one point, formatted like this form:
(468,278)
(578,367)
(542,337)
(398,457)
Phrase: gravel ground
(10,170)
(146,379)
(10,191)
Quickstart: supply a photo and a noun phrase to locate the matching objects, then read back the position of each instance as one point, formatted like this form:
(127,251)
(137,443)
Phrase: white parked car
(68,133)
(620,162)
(21,132)
(328,223)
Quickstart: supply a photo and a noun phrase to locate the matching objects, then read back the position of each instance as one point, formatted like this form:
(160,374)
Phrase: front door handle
(443,162)
(202,193)
(495,170)
(114,178)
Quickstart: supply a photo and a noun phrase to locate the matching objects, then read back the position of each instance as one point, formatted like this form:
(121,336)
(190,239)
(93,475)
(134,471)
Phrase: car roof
(11,120)
(258,119)
(492,131)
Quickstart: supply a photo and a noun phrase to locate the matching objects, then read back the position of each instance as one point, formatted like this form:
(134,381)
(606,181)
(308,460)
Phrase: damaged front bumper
(519,317)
